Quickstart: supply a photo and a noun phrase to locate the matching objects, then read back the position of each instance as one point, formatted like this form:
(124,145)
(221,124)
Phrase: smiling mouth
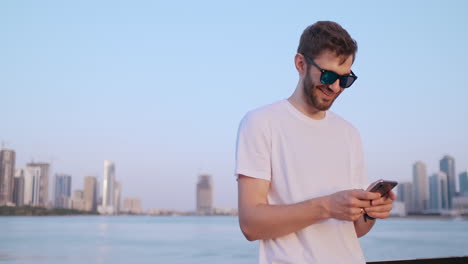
(326,92)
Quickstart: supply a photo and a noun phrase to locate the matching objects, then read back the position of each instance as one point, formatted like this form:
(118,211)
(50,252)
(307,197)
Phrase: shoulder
(344,124)
(264,114)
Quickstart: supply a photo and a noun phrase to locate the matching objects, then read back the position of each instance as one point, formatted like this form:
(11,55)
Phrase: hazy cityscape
(434,193)
(29,186)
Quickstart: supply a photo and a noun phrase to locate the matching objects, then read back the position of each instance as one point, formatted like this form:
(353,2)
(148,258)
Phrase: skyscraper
(62,192)
(117,195)
(7,174)
(447,165)
(90,193)
(204,195)
(31,185)
(18,188)
(438,192)
(43,194)
(406,195)
(108,188)
(421,187)
(463,181)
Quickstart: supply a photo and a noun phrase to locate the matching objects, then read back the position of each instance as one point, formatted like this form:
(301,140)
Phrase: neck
(298,100)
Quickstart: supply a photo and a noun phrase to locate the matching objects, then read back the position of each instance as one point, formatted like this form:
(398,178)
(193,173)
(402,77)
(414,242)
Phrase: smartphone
(382,186)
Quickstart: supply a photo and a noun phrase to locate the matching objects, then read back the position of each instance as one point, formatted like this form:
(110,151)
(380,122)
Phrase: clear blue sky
(160,87)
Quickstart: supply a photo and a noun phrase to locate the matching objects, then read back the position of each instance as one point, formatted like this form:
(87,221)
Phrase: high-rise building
(117,195)
(421,187)
(7,174)
(77,202)
(43,181)
(463,181)
(132,205)
(32,177)
(18,188)
(406,195)
(438,192)
(62,192)
(90,193)
(204,195)
(108,189)
(447,165)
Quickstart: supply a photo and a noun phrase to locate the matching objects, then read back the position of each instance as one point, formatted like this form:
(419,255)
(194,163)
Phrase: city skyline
(29,186)
(428,192)
(431,192)
(160,88)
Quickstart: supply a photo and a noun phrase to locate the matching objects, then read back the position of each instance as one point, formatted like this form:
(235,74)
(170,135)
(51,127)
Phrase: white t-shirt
(303,158)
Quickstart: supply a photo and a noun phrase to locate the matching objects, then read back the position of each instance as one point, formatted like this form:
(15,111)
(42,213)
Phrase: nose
(335,87)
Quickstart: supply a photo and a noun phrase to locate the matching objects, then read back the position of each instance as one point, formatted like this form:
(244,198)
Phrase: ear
(300,63)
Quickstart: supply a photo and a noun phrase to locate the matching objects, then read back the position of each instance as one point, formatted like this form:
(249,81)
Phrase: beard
(311,94)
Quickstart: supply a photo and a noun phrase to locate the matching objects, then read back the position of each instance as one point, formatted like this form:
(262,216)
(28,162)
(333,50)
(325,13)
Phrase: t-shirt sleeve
(359,171)
(253,151)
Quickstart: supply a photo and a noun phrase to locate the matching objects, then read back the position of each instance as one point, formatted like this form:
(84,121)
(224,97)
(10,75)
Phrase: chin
(320,104)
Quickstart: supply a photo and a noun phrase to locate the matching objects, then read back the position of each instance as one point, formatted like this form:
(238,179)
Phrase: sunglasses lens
(347,81)
(328,77)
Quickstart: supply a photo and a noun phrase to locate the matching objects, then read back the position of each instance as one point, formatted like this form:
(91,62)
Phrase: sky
(159,87)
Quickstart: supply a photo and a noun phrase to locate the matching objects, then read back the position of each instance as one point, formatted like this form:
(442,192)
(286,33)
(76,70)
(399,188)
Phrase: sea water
(211,239)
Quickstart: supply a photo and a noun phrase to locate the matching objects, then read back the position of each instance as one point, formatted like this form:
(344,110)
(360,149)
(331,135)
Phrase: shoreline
(412,217)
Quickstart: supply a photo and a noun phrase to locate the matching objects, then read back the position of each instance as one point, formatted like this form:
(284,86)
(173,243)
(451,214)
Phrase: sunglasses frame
(339,77)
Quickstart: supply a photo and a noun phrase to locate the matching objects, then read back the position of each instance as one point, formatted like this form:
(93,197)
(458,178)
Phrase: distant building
(447,165)
(225,211)
(18,188)
(204,195)
(405,195)
(108,189)
(420,187)
(117,195)
(90,192)
(62,192)
(460,204)
(32,178)
(132,206)
(7,174)
(43,195)
(463,181)
(438,192)
(398,209)
(77,202)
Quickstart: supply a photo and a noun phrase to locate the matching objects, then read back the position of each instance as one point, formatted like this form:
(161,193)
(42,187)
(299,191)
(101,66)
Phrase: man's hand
(380,208)
(348,205)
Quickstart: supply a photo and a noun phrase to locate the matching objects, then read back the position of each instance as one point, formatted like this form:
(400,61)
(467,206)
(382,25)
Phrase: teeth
(325,91)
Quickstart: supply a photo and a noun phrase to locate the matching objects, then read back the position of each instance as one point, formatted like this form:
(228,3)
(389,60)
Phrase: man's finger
(392,195)
(381,201)
(357,203)
(357,211)
(365,195)
(380,215)
(380,208)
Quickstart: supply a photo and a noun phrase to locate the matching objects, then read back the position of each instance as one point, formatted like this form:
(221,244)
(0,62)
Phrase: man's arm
(259,220)
(378,209)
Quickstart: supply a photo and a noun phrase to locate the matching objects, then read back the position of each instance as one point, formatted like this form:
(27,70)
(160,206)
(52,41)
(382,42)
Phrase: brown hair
(326,35)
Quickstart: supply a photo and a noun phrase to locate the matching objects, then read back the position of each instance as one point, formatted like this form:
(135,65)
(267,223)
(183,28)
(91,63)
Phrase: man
(300,167)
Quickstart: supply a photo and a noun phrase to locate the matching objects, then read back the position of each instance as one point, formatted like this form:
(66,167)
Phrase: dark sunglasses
(329,77)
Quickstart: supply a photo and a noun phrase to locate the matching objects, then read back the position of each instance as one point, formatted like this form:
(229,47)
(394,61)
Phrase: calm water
(146,239)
